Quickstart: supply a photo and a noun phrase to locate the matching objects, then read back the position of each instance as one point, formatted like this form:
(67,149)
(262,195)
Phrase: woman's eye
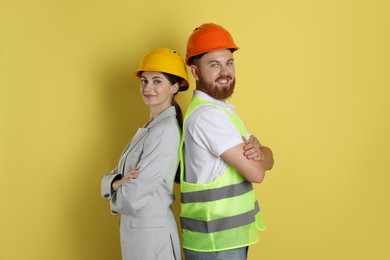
(156,81)
(144,81)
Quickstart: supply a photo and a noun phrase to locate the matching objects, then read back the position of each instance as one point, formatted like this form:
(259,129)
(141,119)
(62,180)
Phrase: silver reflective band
(220,224)
(216,194)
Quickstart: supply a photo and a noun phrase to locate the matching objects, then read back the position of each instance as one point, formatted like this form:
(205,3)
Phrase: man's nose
(223,70)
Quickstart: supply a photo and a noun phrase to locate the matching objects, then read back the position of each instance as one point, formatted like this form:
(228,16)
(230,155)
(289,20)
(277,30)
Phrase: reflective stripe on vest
(220,215)
(217,193)
(220,224)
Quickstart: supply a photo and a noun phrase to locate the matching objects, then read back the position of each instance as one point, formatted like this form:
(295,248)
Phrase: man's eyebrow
(218,61)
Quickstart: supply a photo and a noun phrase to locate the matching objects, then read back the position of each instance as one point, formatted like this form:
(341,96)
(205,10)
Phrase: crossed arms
(250,158)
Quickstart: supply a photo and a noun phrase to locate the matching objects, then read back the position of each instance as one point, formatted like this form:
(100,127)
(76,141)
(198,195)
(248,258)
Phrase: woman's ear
(195,72)
(175,88)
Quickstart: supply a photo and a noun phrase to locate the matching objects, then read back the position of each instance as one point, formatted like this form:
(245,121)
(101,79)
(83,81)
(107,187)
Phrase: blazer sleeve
(159,158)
(106,185)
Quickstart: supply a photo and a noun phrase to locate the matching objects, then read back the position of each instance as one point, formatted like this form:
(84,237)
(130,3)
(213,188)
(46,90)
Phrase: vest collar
(208,98)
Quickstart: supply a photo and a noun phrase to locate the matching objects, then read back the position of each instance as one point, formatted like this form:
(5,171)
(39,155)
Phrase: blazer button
(106,195)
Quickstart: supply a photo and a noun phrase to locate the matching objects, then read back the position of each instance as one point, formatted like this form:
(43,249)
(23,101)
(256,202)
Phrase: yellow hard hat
(164,60)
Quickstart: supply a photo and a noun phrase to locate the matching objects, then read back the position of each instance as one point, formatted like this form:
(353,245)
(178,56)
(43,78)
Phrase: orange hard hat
(209,37)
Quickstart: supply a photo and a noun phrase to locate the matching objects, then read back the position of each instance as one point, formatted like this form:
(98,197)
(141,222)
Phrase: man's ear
(195,72)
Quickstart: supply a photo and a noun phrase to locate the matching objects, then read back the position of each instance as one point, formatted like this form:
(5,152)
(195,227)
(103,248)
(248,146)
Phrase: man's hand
(252,149)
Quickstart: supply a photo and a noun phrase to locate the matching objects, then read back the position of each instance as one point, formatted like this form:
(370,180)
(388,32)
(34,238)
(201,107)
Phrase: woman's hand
(132,174)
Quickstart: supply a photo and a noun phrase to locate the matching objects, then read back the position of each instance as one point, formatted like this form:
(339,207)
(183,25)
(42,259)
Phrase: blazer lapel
(138,136)
(133,142)
(169,112)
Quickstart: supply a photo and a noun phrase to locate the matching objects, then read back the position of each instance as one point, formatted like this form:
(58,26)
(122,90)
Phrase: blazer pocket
(148,222)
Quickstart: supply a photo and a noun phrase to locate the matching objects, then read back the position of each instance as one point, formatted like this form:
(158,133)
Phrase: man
(220,216)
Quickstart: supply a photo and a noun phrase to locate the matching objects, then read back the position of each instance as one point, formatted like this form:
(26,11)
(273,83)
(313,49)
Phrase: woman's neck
(155,111)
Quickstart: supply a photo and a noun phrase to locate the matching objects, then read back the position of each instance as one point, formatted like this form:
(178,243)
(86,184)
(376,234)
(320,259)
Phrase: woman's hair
(173,79)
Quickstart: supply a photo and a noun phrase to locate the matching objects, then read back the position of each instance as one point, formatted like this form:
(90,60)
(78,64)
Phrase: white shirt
(209,132)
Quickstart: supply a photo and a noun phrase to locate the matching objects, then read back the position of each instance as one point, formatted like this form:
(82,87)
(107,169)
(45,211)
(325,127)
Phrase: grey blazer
(148,229)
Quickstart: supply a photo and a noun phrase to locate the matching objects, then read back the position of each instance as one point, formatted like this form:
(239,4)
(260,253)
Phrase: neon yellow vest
(220,215)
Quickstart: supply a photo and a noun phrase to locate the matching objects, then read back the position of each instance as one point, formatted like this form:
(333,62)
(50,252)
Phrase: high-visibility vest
(220,215)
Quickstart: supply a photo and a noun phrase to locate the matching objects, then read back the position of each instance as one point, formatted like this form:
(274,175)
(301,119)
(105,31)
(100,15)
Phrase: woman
(140,188)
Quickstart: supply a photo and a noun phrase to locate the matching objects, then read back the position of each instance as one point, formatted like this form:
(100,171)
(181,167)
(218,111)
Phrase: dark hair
(191,60)
(173,79)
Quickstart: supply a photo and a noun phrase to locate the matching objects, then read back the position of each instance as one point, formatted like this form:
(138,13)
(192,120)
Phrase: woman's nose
(147,86)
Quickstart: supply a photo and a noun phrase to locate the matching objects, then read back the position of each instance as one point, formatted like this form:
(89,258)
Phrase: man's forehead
(218,55)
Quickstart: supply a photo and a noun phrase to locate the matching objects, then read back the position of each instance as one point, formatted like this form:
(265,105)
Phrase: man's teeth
(223,81)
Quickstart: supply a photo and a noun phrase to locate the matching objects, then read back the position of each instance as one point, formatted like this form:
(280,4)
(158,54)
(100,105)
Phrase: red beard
(214,91)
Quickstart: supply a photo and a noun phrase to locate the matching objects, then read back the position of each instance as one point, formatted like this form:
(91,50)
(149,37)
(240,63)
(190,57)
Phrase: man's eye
(214,65)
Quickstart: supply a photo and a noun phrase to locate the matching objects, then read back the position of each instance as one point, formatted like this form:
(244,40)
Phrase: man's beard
(214,91)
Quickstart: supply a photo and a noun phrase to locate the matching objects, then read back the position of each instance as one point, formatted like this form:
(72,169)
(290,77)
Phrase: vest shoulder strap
(197,101)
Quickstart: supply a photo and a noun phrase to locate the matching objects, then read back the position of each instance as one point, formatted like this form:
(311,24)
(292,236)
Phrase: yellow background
(312,83)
